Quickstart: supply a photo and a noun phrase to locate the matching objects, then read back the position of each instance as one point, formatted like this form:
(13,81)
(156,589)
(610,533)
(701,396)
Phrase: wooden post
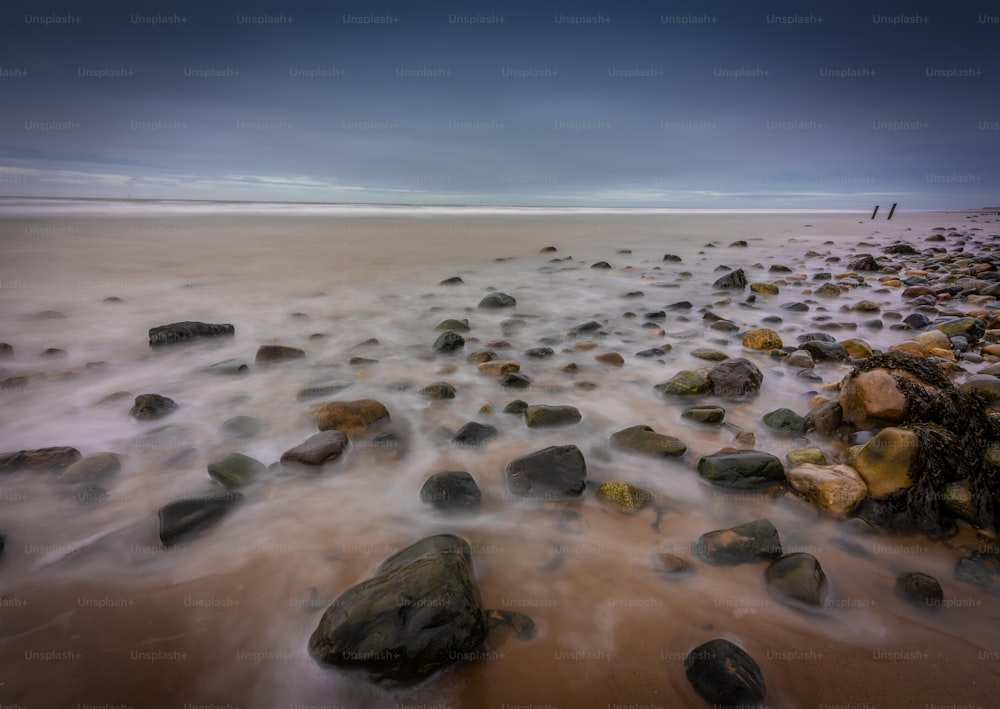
(891,211)
(875,212)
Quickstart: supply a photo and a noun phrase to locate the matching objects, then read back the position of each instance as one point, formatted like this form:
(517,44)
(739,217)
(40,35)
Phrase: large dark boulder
(187,330)
(741,469)
(420,612)
(552,473)
(724,674)
(736,378)
(184,518)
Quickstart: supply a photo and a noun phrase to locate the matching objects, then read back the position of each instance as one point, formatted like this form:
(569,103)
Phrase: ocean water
(88,593)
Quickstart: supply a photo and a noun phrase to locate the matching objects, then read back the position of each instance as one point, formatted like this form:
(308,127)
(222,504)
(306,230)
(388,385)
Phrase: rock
(800,456)
(241,427)
(764,288)
(872,399)
(451,490)
(970,328)
(795,307)
(857,348)
(785,421)
(684,383)
(672,566)
(612,358)
(277,353)
(515,407)
(920,589)
(886,461)
(745,543)
(498,367)
(800,359)
(825,351)
(864,262)
(623,496)
(705,414)
(319,449)
(734,279)
(797,578)
(651,352)
(228,367)
(41,459)
(351,417)
(152,406)
(327,387)
(957,499)
(735,378)
(497,300)
(187,330)
(449,341)
(671,258)
(741,469)
(6,351)
(709,355)
(745,439)
(917,321)
(235,469)
(502,624)
(601,264)
(539,352)
(438,390)
(184,518)
(835,488)
(92,468)
(932,339)
(645,441)
(454,324)
(545,416)
(725,675)
(420,612)
(980,569)
(452,281)
(762,339)
(985,384)
(474,434)
(515,380)
(555,472)
(828,289)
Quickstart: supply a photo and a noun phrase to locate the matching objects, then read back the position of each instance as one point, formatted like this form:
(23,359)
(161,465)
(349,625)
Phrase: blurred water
(240,601)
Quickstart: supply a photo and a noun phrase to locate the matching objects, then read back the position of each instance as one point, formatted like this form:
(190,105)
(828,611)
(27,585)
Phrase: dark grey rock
(234,469)
(187,330)
(497,300)
(785,421)
(420,612)
(319,449)
(552,473)
(474,434)
(741,469)
(449,341)
(451,490)
(745,543)
(735,378)
(734,279)
(797,578)
(920,589)
(152,406)
(185,518)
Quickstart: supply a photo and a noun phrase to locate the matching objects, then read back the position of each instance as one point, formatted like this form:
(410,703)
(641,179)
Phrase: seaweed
(955,433)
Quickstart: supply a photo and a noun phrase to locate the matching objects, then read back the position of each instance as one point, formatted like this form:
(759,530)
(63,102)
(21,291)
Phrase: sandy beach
(95,610)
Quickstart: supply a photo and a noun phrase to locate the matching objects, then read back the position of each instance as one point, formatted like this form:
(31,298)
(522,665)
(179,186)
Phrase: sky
(669,104)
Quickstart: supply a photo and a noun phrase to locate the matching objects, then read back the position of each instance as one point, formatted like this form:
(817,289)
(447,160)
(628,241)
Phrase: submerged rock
(187,330)
(152,406)
(40,459)
(741,469)
(497,300)
(725,675)
(92,468)
(235,469)
(645,441)
(920,589)
(319,449)
(438,391)
(474,434)
(277,353)
(753,541)
(351,417)
(544,416)
(420,612)
(228,367)
(705,414)
(684,383)
(555,472)
(735,378)
(184,518)
(798,578)
(451,490)
(624,496)
(449,341)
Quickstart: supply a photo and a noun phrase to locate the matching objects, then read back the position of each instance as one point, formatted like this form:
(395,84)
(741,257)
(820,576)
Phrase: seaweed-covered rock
(420,612)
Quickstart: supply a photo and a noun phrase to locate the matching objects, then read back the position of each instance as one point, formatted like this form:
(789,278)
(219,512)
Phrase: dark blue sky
(838,105)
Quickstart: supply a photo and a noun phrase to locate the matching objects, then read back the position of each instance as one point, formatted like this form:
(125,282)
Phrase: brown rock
(872,399)
(612,358)
(277,353)
(351,417)
(885,462)
(836,488)
(762,339)
(498,367)
(92,468)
